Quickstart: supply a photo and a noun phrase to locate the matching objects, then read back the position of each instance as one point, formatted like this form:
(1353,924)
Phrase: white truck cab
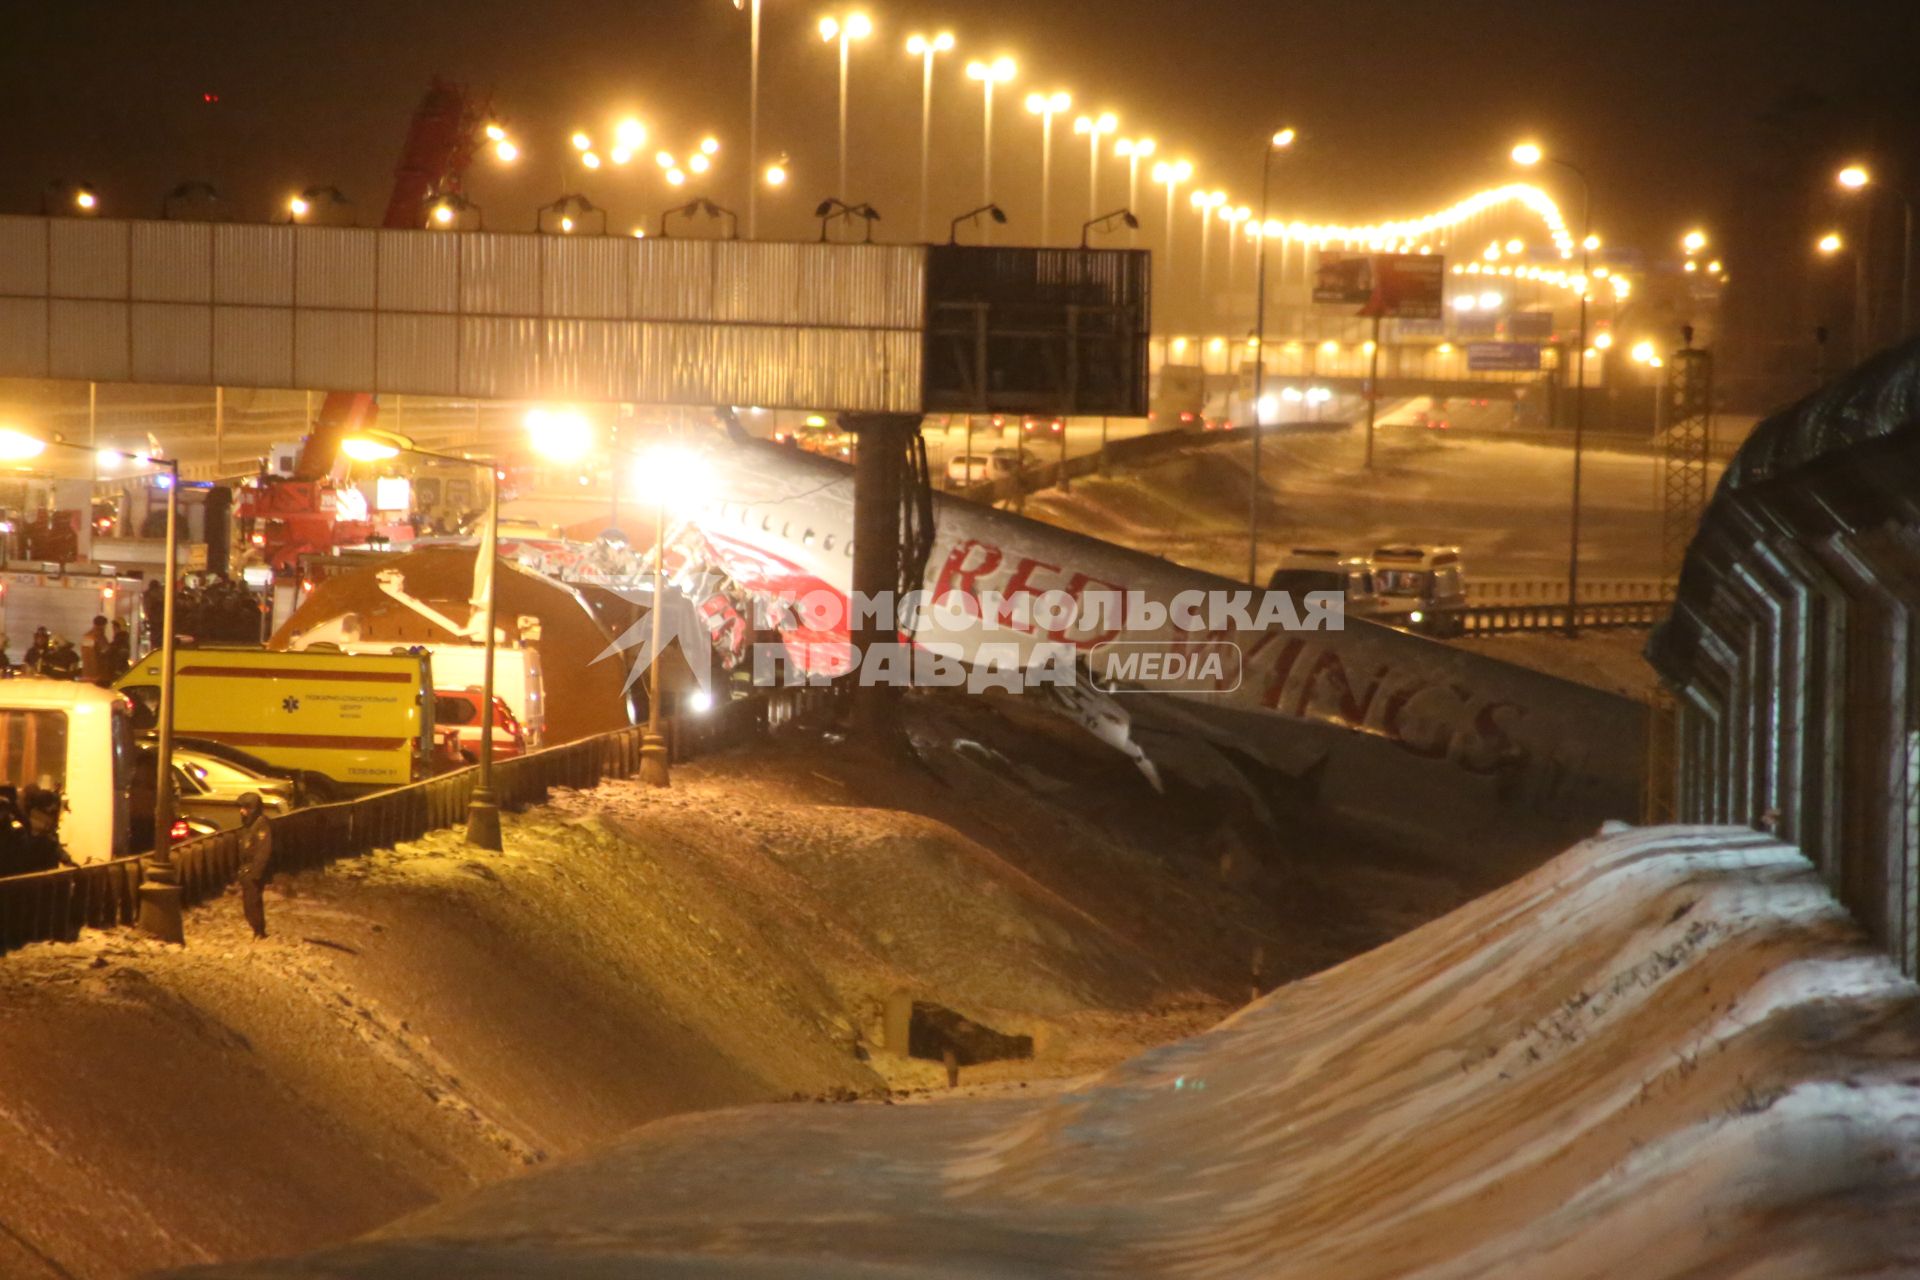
(76,739)
(1420,587)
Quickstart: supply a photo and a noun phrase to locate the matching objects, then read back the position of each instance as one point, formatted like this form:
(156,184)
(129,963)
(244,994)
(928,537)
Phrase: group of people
(210,606)
(30,831)
(102,656)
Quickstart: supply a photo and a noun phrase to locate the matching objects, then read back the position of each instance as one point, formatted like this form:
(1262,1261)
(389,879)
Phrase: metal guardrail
(1488,591)
(1154,444)
(49,906)
(1501,619)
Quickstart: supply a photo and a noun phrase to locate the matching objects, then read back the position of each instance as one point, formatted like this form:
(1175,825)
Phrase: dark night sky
(1401,105)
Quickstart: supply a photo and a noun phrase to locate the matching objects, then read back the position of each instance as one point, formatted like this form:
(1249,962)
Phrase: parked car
(1304,569)
(456,717)
(968,468)
(1009,462)
(226,779)
(198,808)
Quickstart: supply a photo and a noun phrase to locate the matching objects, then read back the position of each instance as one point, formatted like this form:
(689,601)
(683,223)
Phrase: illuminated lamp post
(1527,155)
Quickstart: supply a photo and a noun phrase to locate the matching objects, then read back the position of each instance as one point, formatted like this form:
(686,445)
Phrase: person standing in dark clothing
(256,858)
(36,652)
(62,660)
(119,655)
(41,849)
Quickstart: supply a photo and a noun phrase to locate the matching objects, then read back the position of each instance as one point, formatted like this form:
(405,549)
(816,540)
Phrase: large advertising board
(1402,286)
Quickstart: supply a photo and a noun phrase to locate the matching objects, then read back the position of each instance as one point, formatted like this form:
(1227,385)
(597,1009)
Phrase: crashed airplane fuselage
(1405,735)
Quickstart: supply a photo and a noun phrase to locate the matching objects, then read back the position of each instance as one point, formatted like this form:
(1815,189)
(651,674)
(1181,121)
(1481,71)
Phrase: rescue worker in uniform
(256,856)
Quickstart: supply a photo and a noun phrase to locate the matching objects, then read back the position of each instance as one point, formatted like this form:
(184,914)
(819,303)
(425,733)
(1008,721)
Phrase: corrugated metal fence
(1793,650)
(56,905)
(469,314)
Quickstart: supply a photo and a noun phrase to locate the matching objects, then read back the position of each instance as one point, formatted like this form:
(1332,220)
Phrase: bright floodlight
(581,142)
(776,175)
(1527,154)
(664,159)
(1490,301)
(630,133)
(673,477)
(999,71)
(710,145)
(859,26)
(85,198)
(368,449)
(297,207)
(1465,302)
(1516,247)
(495,132)
(1284,138)
(590,160)
(675,178)
(943,42)
(699,163)
(1603,341)
(443,214)
(1854,177)
(918,44)
(17,446)
(1694,241)
(560,435)
(1642,353)
(506,151)
(1590,243)
(1830,243)
(829,29)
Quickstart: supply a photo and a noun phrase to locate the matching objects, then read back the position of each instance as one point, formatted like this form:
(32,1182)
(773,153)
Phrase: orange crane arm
(440,144)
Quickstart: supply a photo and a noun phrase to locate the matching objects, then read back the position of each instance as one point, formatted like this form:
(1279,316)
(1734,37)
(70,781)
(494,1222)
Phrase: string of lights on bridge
(624,145)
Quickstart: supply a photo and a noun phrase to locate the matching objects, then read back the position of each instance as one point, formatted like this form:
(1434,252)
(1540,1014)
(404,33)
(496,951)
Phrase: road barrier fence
(48,906)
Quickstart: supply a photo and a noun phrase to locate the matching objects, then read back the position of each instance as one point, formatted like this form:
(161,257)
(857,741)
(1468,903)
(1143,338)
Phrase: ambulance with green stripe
(348,723)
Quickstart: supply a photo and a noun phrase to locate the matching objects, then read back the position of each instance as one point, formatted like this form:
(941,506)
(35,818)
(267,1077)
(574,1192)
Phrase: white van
(76,739)
(518,679)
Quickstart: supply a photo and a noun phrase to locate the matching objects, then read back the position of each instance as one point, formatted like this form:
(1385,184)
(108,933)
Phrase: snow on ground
(1667,1053)
(1505,504)
(1611,660)
(433,1018)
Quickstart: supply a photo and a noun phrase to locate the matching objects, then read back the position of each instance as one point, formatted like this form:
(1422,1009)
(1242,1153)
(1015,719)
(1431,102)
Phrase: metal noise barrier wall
(51,906)
(1792,648)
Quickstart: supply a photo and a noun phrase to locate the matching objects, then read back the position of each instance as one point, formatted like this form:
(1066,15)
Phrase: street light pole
(1528,154)
(753,122)
(160,906)
(483,809)
(988,74)
(655,761)
(855,26)
(843,115)
(927,47)
(1096,128)
(1134,150)
(1855,177)
(1046,106)
(1280,141)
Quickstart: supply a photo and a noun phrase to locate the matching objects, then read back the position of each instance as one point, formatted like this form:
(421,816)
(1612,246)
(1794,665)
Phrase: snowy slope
(1666,1053)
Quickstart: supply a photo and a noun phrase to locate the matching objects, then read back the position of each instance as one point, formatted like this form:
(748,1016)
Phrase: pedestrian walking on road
(256,856)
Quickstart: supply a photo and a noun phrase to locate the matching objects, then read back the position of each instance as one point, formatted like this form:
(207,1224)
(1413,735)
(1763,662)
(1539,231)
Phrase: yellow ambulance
(349,723)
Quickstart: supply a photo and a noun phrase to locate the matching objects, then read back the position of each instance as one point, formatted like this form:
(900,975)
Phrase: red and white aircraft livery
(1409,738)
